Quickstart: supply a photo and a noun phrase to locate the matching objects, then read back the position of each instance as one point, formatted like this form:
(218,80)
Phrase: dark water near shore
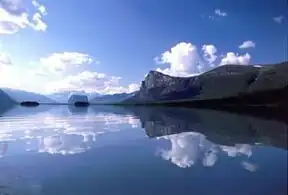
(61,150)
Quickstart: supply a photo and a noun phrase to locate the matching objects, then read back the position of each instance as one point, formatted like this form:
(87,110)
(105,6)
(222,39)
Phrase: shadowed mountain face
(222,82)
(5,102)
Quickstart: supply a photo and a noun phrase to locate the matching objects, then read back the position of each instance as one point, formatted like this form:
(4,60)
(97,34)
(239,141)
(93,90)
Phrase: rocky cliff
(222,82)
(158,86)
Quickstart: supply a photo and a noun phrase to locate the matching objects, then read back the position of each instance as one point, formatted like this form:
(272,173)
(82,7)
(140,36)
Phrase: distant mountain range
(21,96)
(62,97)
(114,98)
(224,85)
(267,84)
(5,101)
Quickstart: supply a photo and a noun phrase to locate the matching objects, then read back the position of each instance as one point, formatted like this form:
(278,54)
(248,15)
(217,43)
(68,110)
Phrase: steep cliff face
(74,98)
(158,86)
(221,82)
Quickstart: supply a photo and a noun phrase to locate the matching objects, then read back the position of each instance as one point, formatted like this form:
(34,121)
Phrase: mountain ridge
(6,102)
(225,81)
(22,96)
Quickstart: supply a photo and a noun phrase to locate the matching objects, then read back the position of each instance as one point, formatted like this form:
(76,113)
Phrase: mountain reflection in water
(77,138)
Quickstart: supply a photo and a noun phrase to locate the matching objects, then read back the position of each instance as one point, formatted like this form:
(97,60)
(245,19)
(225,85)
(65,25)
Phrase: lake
(64,150)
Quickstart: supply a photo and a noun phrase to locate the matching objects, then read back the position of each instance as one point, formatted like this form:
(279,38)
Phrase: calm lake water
(61,150)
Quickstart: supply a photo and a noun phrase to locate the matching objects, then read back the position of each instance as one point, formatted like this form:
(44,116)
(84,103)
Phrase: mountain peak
(156,73)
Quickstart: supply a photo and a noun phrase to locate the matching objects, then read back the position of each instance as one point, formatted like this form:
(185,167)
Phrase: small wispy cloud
(216,15)
(278,19)
(220,13)
(247,44)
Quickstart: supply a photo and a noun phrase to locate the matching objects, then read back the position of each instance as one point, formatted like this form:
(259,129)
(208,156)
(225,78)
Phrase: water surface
(62,150)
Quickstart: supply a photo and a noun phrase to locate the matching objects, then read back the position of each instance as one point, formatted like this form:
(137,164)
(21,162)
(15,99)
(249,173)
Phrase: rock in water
(78,100)
(29,104)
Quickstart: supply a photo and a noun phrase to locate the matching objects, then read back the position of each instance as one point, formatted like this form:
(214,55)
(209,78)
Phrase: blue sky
(109,45)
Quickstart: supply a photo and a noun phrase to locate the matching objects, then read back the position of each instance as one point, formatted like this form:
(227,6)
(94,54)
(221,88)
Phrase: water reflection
(219,127)
(78,110)
(66,150)
(198,136)
(191,132)
(190,148)
(60,129)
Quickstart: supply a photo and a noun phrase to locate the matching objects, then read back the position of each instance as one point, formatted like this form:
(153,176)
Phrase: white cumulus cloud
(183,59)
(61,62)
(209,53)
(14,16)
(247,44)
(90,82)
(60,72)
(232,58)
(87,81)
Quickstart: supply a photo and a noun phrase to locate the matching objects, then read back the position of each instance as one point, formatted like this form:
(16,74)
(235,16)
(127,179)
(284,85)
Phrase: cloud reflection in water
(190,148)
(60,130)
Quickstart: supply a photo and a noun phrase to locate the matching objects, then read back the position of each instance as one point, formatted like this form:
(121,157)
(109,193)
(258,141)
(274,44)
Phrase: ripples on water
(140,150)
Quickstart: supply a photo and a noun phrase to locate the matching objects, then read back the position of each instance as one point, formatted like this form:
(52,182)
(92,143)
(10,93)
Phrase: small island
(78,100)
(81,104)
(30,104)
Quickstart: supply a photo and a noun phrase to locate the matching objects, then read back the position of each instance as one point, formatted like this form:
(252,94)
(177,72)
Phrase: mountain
(62,97)
(20,96)
(114,98)
(228,81)
(5,101)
